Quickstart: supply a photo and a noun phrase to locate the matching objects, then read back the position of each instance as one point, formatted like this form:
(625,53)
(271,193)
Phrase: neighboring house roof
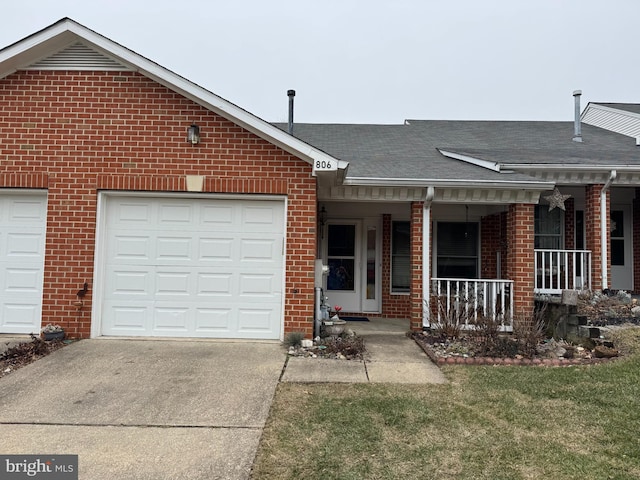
(68,45)
(623,118)
(628,107)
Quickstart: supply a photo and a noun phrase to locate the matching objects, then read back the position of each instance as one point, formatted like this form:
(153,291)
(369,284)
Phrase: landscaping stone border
(542,362)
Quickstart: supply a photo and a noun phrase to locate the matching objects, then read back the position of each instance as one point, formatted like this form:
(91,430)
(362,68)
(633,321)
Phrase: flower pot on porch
(49,336)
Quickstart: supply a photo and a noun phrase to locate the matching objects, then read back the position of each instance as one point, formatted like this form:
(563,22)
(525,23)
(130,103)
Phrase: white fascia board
(571,168)
(66,31)
(412,182)
(472,160)
(604,108)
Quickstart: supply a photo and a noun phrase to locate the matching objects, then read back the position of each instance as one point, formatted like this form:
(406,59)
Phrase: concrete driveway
(149,409)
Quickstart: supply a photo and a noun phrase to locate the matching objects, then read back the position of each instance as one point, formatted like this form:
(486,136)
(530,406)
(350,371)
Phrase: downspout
(603,228)
(426,255)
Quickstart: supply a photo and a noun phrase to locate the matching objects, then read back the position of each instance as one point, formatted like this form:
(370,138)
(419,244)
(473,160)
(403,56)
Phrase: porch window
(548,227)
(457,250)
(400,256)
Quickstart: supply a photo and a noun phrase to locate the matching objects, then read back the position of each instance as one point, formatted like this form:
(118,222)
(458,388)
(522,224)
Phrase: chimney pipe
(291,94)
(577,129)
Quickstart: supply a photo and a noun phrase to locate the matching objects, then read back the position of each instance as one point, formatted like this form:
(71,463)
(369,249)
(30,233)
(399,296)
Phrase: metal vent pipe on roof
(577,128)
(290,94)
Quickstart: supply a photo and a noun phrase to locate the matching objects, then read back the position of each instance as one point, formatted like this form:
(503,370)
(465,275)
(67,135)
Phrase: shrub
(293,339)
(529,331)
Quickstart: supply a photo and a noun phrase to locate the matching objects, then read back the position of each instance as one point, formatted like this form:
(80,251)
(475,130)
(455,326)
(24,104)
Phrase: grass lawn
(487,423)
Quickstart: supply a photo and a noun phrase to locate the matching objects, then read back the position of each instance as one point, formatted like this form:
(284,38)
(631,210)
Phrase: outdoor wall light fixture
(193,134)
(322,220)
(322,216)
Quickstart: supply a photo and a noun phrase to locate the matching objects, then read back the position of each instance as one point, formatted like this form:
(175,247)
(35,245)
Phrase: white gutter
(570,168)
(420,183)
(603,228)
(426,254)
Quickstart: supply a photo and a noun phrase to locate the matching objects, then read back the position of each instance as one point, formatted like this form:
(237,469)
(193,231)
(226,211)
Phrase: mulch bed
(25,353)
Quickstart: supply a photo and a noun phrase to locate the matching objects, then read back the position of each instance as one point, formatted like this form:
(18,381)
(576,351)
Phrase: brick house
(187,216)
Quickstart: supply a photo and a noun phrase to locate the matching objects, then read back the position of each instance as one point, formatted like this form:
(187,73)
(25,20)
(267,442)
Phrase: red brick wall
(393,305)
(592,228)
(520,257)
(77,132)
(416,294)
(570,224)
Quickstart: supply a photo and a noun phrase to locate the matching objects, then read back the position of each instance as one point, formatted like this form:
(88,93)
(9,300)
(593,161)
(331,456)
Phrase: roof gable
(623,118)
(66,42)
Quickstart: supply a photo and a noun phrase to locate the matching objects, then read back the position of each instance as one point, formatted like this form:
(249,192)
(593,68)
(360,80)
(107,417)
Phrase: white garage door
(184,267)
(23,220)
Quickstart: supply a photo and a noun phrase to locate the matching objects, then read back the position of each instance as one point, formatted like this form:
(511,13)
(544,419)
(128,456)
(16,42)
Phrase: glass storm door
(343,280)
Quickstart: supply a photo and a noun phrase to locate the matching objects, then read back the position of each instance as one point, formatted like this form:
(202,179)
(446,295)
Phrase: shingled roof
(414,149)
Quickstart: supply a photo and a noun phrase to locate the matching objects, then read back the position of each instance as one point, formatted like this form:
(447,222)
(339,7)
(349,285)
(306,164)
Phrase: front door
(352,254)
(621,261)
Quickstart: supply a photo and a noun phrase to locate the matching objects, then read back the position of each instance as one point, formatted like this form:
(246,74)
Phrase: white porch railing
(558,270)
(468,299)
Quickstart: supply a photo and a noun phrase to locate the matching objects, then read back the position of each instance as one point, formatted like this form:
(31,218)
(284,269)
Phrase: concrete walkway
(392,358)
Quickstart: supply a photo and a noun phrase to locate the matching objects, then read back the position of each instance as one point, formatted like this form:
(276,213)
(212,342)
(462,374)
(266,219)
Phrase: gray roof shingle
(411,150)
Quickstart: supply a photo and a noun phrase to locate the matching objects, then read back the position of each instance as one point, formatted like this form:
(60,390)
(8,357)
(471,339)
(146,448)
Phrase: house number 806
(323,164)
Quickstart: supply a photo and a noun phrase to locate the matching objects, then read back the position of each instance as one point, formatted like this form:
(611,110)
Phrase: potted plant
(52,332)
(335,326)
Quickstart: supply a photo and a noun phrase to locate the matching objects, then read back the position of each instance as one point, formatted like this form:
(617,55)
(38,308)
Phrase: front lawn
(487,423)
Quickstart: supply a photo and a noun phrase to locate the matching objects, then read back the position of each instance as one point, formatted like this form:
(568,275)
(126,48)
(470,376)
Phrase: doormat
(355,319)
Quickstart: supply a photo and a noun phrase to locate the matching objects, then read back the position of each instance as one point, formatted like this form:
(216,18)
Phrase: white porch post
(604,212)
(426,256)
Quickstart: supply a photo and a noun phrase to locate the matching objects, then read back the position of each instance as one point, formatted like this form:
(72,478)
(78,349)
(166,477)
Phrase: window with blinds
(400,257)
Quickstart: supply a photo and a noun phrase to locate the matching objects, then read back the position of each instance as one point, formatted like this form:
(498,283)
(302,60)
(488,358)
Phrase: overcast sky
(374,61)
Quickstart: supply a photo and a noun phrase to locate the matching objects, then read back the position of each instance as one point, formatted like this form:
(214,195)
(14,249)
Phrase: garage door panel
(129,283)
(218,216)
(174,249)
(204,261)
(254,285)
(171,320)
(25,245)
(21,316)
(126,247)
(22,280)
(216,321)
(254,320)
(176,214)
(173,284)
(22,245)
(253,250)
(136,214)
(127,319)
(214,284)
(215,249)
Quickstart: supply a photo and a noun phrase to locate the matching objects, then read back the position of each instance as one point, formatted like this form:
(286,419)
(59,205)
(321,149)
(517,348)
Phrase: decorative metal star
(556,199)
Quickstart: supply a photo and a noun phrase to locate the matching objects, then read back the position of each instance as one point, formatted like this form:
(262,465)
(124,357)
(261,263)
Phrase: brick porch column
(520,257)
(592,227)
(416,296)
